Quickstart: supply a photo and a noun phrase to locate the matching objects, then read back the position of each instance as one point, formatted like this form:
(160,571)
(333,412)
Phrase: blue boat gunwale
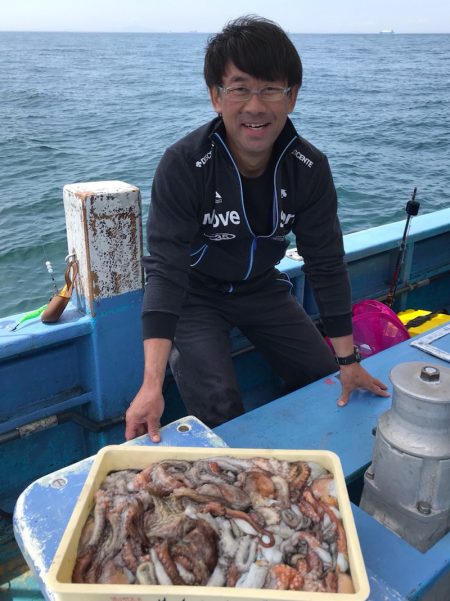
(37,335)
(358,245)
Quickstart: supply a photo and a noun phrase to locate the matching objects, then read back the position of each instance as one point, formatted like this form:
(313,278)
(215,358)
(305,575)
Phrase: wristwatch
(355,357)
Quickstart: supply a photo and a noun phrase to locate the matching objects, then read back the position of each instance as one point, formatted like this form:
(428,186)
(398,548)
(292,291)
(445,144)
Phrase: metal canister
(407,486)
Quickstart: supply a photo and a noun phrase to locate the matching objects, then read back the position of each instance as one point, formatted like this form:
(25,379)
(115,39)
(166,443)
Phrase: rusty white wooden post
(104,231)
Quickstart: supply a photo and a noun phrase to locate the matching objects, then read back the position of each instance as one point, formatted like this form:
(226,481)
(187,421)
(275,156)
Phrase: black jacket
(197,221)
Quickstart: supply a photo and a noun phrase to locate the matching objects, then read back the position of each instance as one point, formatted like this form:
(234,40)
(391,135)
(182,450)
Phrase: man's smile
(255,125)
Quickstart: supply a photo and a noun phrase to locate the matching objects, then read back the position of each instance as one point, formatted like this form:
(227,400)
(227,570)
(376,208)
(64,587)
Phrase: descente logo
(204,159)
(301,157)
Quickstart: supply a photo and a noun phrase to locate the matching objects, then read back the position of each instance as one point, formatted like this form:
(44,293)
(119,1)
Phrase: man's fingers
(379,388)
(343,399)
(156,437)
(144,414)
(153,430)
(133,430)
(355,377)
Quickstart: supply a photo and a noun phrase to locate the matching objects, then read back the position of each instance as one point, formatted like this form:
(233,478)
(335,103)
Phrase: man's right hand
(144,414)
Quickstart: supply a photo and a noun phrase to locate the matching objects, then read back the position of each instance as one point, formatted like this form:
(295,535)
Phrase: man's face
(252,126)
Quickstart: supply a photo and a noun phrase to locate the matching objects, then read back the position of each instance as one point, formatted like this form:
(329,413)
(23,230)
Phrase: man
(223,200)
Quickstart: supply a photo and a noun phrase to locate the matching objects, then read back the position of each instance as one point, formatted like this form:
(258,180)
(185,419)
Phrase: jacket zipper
(200,251)
(275,195)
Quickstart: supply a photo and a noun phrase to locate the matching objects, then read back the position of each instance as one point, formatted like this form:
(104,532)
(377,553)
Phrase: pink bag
(375,328)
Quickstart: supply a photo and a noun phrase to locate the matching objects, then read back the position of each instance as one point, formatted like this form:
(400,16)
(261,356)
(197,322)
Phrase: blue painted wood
(34,334)
(76,353)
(118,354)
(393,565)
(91,365)
(371,256)
(383,238)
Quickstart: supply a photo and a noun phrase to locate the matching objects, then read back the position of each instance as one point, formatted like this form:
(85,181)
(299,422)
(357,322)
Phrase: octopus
(222,521)
(286,578)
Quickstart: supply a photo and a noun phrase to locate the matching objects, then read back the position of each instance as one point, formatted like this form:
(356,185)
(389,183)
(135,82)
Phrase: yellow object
(120,457)
(64,292)
(436,319)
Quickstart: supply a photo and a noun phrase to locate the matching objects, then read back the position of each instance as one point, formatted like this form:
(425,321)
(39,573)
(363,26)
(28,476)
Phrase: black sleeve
(319,241)
(171,227)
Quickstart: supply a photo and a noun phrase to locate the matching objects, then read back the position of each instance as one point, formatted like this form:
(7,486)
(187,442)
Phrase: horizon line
(193,31)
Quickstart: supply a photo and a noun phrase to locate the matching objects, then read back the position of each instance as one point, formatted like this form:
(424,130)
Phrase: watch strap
(355,357)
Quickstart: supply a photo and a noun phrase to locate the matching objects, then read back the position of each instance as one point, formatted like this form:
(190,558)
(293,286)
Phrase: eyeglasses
(243,94)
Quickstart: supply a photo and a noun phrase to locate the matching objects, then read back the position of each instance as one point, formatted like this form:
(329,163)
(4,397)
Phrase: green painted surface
(21,588)
(17,583)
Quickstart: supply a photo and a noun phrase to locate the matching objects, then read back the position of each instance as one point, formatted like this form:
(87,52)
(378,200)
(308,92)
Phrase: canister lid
(422,380)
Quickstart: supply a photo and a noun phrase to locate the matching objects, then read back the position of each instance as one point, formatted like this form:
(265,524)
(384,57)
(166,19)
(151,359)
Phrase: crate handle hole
(183,428)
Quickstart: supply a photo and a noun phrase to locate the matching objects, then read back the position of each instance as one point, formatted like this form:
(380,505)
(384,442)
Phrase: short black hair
(256,46)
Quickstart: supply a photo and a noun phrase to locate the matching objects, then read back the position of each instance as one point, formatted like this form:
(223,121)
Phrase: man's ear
(292,98)
(216,98)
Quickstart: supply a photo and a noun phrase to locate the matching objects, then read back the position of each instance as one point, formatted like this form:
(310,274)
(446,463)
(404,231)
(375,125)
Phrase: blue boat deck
(305,419)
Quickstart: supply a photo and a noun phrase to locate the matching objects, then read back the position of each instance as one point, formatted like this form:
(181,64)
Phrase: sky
(296,16)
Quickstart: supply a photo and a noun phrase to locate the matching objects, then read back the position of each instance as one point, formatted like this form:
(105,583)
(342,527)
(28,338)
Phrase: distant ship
(387,31)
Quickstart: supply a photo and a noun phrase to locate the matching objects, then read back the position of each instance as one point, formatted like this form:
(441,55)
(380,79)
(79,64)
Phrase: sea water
(77,107)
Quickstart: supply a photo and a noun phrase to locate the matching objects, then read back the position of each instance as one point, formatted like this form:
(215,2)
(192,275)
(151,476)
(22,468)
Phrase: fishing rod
(50,271)
(412,208)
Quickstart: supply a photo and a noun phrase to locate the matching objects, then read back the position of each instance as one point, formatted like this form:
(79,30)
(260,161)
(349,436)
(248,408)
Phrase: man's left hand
(355,376)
